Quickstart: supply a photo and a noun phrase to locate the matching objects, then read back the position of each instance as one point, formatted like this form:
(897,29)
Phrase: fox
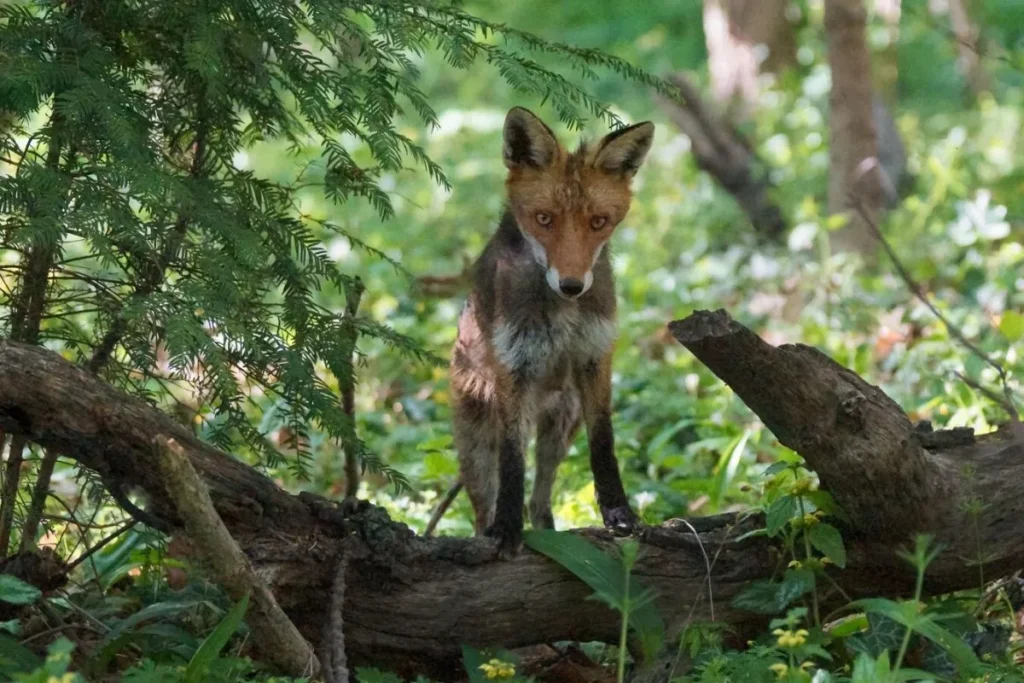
(536,333)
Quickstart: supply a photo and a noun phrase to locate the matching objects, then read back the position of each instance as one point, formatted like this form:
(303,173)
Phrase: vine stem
(807,556)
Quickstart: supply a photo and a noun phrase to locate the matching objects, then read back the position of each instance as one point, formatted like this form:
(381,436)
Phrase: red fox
(535,337)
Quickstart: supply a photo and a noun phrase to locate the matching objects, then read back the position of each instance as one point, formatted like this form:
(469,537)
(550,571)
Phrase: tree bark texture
(410,603)
(853,150)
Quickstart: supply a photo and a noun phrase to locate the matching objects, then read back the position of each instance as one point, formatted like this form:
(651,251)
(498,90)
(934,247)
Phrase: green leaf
(883,634)
(878,670)
(125,631)
(215,642)
(17,592)
(114,561)
(729,461)
(365,675)
(607,576)
(472,659)
(436,444)
(661,439)
(1012,325)
(772,597)
(436,465)
(16,658)
(967,662)
(848,626)
(827,539)
(158,609)
(823,500)
(779,514)
(776,467)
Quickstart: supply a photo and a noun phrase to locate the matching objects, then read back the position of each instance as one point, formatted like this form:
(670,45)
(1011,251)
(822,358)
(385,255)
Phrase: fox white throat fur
(532,349)
(537,334)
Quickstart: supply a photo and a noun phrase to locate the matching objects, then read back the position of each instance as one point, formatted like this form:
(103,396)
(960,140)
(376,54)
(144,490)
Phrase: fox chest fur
(514,323)
(538,344)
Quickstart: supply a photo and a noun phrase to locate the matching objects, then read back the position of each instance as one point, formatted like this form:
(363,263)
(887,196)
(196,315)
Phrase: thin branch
(334,659)
(57,629)
(951,36)
(348,386)
(99,546)
(1002,401)
(274,634)
(12,477)
(1008,403)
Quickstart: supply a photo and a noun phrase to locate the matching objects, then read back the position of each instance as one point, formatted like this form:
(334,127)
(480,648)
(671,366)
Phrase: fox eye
(544,218)
(598,222)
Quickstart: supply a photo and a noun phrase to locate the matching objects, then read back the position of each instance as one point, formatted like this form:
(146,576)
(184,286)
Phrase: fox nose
(570,286)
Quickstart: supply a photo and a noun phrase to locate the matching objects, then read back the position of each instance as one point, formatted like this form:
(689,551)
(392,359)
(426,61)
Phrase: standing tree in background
(886,72)
(854,170)
(745,39)
(968,42)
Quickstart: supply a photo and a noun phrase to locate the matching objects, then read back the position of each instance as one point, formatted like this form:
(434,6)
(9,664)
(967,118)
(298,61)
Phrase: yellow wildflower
(498,669)
(787,638)
(780,669)
(800,487)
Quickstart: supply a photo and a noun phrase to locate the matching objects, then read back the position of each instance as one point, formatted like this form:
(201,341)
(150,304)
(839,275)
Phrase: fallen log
(410,603)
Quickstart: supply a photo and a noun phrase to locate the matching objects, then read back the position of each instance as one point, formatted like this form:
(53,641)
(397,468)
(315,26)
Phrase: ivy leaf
(883,634)
(772,597)
(906,614)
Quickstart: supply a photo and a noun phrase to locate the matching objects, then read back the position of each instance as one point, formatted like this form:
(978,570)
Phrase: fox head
(567,205)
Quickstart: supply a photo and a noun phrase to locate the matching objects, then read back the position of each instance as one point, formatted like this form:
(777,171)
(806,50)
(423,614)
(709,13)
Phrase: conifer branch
(28,308)
(154,275)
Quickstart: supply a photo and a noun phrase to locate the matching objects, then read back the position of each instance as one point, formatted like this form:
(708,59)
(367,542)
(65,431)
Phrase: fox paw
(620,519)
(509,539)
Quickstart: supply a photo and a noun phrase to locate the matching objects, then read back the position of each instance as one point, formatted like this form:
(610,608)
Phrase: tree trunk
(853,152)
(745,38)
(887,73)
(410,603)
(968,37)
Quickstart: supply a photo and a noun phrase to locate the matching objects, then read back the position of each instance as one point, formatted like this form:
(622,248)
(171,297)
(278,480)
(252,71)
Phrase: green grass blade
(215,642)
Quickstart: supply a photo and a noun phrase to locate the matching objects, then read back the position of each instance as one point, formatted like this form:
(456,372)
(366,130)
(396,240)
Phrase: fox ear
(622,151)
(527,140)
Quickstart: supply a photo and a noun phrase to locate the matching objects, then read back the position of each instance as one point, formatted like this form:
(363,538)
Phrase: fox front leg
(507,527)
(594,383)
